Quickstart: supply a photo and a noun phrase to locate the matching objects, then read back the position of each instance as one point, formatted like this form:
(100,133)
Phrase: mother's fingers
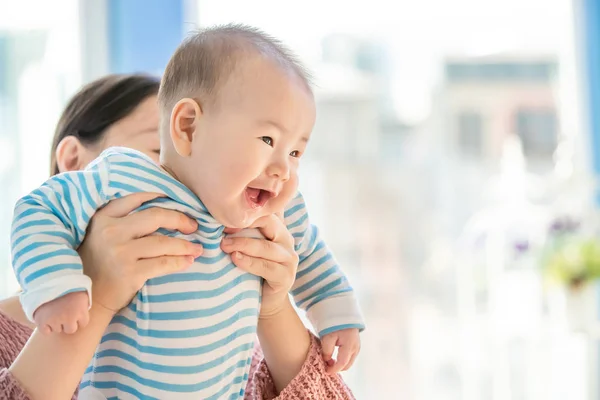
(121,207)
(147,221)
(160,266)
(160,245)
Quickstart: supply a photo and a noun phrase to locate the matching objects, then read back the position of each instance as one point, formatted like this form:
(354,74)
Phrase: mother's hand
(119,256)
(273,258)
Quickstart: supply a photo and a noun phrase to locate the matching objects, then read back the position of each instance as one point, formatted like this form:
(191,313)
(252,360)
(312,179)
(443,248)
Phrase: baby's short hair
(205,60)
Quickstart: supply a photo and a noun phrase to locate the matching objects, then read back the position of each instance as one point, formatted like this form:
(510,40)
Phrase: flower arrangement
(571,257)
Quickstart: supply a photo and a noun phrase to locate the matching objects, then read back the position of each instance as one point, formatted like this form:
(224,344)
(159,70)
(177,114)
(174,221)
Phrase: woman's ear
(70,155)
(184,122)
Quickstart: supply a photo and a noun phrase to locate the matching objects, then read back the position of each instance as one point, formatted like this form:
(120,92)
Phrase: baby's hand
(348,343)
(65,314)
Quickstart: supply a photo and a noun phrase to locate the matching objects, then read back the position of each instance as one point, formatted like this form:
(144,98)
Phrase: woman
(119,257)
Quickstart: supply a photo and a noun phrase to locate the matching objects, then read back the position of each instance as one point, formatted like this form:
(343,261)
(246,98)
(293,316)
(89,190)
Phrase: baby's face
(247,150)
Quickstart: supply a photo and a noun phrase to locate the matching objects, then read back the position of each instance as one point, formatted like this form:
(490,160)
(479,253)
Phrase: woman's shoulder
(13,337)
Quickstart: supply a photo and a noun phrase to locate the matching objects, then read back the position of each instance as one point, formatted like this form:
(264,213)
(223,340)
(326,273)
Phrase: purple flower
(564,225)
(521,246)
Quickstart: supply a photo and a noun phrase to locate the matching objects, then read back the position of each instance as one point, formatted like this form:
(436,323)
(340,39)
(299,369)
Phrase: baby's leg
(64,314)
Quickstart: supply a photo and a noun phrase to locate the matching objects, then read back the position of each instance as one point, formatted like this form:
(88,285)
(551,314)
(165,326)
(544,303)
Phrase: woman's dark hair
(98,105)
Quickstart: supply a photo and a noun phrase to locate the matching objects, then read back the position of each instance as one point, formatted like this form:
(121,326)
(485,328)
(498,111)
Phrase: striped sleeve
(48,226)
(321,288)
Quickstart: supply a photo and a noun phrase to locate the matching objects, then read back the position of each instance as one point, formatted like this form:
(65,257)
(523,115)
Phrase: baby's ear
(184,122)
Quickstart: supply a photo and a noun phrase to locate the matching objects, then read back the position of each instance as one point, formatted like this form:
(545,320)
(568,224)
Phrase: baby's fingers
(351,361)
(69,327)
(343,358)
(328,343)
(46,329)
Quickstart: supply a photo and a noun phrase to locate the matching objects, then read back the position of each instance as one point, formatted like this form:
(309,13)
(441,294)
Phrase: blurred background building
(433,158)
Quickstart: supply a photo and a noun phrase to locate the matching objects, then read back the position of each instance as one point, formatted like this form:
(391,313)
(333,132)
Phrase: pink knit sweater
(311,383)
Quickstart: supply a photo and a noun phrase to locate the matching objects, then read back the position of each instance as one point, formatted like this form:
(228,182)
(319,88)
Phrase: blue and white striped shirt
(185,335)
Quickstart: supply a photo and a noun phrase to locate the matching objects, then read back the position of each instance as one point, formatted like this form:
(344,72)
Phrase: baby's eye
(295,153)
(268,140)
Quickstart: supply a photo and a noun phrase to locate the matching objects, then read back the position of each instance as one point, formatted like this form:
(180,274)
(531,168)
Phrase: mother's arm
(51,366)
(293,366)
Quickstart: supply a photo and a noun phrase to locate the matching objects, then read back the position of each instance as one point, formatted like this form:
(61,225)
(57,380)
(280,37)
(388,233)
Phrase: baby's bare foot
(65,314)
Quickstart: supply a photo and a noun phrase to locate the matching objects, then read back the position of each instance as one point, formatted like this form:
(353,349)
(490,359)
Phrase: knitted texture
(10,388)
(312,382)
(13,337)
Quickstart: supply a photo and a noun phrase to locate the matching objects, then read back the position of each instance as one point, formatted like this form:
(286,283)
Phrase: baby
(237,112)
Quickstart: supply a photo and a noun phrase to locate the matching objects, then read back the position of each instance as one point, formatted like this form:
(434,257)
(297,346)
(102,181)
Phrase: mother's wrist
(101,312)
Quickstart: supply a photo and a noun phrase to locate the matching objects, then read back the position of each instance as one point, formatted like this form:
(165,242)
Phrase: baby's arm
(49,224)
(322,289)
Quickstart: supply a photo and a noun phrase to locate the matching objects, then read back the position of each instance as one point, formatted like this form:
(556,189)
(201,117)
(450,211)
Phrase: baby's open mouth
(258,197)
